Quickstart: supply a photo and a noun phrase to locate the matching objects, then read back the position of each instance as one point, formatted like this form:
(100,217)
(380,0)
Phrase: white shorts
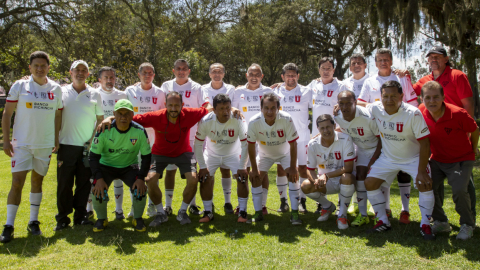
(26,159)
(228,162)
(173,167)
(387,170)
(302,148)
(265,163)
(333,185)
(364,156)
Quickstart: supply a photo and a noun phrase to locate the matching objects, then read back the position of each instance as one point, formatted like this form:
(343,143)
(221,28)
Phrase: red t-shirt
(178,132)
(455,85)
(449,140)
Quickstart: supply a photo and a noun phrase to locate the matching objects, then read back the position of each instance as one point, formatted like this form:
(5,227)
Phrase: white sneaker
(466,232)
(151,210)
(326,213)
(342,223)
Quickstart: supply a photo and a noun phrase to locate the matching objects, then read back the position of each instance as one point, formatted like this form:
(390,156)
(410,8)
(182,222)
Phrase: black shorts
(128,174)
(186,162)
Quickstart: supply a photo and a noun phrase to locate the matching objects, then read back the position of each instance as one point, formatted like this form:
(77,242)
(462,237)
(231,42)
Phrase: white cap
(78,62)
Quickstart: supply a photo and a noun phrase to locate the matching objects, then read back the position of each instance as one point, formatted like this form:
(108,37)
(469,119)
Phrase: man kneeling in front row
(113,155)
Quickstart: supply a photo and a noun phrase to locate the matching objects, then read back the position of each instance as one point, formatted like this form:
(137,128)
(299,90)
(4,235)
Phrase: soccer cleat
(302,206)
(84,221)
(319,208)
(236,211)
(284,207)
(426,232)
(183,217)
(168,210)
(295,218)
(258,216)
(379,227)
(119,215)
(90,214)
(159,219)
(151,210)
(7,234)
(242,217)
(264,210)
(100,225)
(34,227)
(61,225)
(139,224)
(195,210)
(228,208)
(389,213)
(342,222)
(404,217)
(207,217)
(441,227)
(466,232)
(360,220)
(326,213)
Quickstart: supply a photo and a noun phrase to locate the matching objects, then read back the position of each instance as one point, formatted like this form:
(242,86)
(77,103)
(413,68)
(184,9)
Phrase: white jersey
(222,139)
(34,124)
(362,128)
(79,115)
(324,99)
(144,101)
(329,159)
(355,85)
(109,99)
(209,92)
(372,85)
(296,103)
(400,132)
(272,139)
(248,101)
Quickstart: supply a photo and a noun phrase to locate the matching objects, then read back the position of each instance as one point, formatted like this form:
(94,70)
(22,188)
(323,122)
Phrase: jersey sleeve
(251,133)
(291,131)
(201,133)
(14,92)
(194,115)
(467,123)
(419,126)
(242,127)
(146,120)
(372,123)
(99,106)
(311,158)
(464,90)
(59,98)
(145,146)
(349,150)
(365,93)
(409,95)
(98,143)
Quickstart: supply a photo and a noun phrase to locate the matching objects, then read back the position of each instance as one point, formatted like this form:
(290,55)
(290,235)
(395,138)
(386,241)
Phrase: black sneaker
(90,214)
(7,234)
(302,207)
(284,207)
(426,232)
(100,225)
(194,210)
(139,224)
(61,225)
(228,208)
(119,216)
(84,221)
(379,228)
(34,228)
(319,209)
(168,210)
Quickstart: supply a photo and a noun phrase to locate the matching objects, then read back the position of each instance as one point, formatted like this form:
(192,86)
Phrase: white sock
(405,194)
(377,199)
(426,201)
(227,189)
(362,197)
(293,189)
(207,205)
(282,183)
(118,193)
(257,193)
(242,203)
(89,202)
(264,197)
(168,197)
(320,198)
(194,200)
(345,195)
(160,208)
(300,192)
(35,200)
(11,214)
(386,195)
(184,206)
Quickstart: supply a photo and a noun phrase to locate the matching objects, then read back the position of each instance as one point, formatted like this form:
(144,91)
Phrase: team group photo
(194,159)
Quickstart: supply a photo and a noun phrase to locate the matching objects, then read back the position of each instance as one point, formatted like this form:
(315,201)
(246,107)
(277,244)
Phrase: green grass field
(223,243)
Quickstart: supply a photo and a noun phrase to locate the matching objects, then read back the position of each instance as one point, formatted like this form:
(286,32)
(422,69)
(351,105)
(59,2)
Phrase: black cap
(437,50)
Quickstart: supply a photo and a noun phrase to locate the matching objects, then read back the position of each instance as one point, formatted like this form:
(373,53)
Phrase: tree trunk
(471,67)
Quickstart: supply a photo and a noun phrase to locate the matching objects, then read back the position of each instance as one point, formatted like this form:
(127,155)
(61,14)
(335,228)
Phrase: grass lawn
(223,243)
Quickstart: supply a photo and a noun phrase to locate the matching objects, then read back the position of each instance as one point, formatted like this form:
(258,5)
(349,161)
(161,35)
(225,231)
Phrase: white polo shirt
(355,85)
(324,99)
(400,132)
(272,139)
(209,92)
(222,139)
(79,115)
(109,99)
(296,103)
(371,90)
(362,128)
(34,124)
(248,101)
(329,159)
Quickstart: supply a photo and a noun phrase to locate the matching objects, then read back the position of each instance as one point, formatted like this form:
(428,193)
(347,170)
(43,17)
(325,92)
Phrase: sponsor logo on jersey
(147,99)
(29,105)
(244,109)
(338,155)
(377,99)
(213,141)
(444,83)
(154,100)
(321,166)
(13,163)
(424,130)
(329,93)
(297,98)
(104,103)
(110,102)
(350,154)
(262,142)
(141,100)
(135,109)
(133,141)
(448,130)
(43,95)
(360,131)
(399,126)
(95,141)
(231,132)
(188,93)
(280,133)
(391,125)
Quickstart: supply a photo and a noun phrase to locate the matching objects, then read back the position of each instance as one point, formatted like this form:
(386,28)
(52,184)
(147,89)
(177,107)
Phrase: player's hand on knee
(99,189)
(139,189)
(321,181)
(242,176)
(292,174)
(203,175)
(8,149)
